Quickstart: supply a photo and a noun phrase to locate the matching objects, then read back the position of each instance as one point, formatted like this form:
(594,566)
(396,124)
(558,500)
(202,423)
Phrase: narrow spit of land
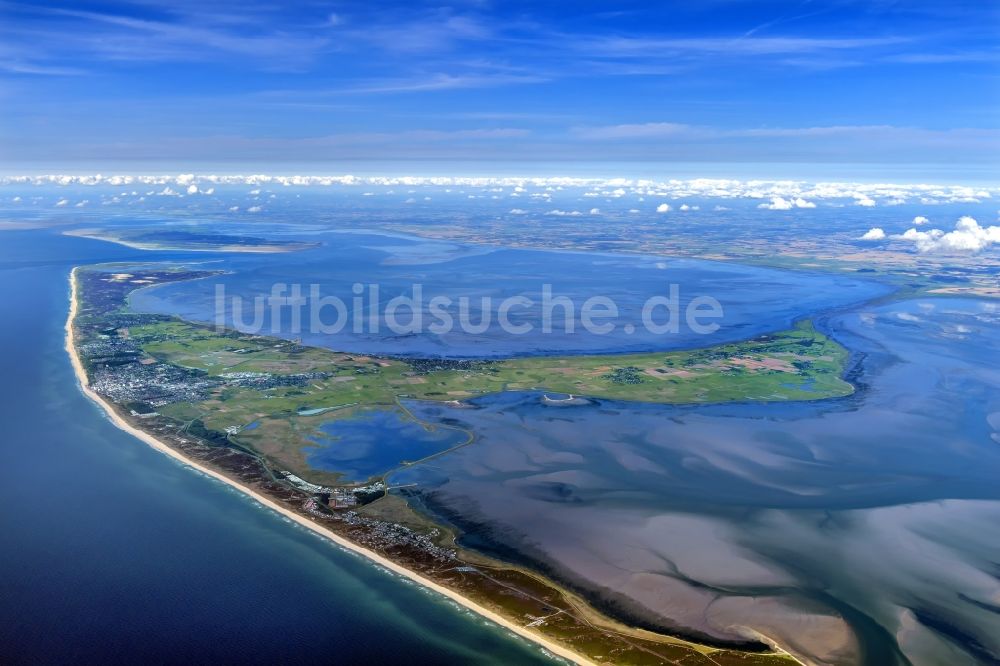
(242,408)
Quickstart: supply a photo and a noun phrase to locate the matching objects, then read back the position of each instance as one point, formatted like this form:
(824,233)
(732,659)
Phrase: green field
(799,364)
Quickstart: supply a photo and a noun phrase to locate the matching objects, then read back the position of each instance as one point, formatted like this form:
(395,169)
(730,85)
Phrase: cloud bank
(639,193)
(780,203)
(967,237)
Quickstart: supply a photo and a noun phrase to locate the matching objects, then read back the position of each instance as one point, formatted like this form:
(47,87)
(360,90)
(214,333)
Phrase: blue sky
(190,82)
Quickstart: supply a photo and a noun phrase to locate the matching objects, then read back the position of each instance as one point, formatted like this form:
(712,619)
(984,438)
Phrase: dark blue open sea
(112,552)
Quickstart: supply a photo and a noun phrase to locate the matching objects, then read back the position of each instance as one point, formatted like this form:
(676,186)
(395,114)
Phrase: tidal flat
(853,529)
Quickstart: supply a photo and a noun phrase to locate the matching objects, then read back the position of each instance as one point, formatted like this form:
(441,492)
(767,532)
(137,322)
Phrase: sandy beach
(81,375)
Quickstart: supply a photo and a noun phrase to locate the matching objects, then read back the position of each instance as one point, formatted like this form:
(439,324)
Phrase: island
(250,410)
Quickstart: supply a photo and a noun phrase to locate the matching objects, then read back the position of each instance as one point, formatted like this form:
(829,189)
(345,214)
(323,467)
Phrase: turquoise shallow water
(115,553)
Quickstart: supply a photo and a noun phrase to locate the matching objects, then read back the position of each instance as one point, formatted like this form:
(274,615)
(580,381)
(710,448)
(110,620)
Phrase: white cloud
(778,203)
(875,233)
(968,236)
(62,202)
(635,131)
(233,209)
(625,46)
(767,194)
(663,208)
(192,189)
(518,211)
(595,211)
(564,213)
(254,209)
(920,219)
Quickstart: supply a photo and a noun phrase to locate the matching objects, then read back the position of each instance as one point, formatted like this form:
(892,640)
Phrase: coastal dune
(384,562)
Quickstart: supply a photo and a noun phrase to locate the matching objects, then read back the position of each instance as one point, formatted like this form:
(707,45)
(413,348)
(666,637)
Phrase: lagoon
(376,441)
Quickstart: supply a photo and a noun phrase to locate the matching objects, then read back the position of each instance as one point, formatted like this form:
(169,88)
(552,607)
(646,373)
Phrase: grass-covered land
(799,364)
